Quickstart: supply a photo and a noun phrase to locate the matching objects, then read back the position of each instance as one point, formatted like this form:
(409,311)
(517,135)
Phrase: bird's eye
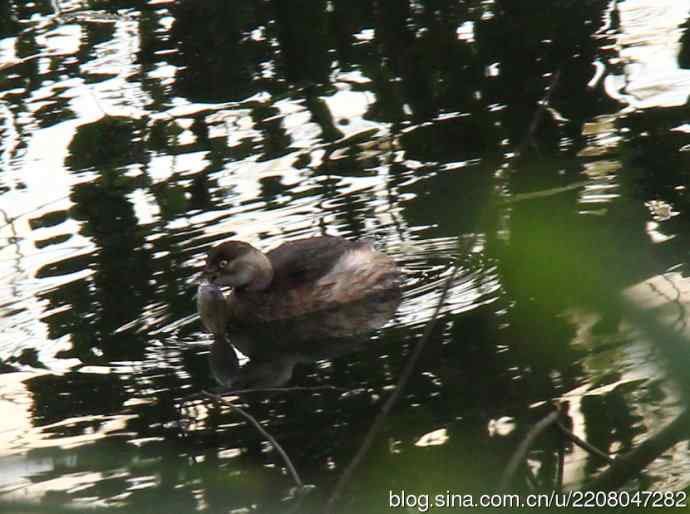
(223,263)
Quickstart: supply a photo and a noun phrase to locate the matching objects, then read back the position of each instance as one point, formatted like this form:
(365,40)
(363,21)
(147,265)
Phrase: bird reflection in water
(275,348)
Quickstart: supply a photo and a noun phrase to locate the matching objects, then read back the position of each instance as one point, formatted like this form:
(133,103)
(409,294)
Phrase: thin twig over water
(263,432)
(539,114)
(584,444)
(290,389)
(390,402)
(521,452)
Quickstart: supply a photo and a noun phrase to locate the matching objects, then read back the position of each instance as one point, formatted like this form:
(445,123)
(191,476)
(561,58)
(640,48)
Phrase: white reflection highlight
(435,438)
(649,40)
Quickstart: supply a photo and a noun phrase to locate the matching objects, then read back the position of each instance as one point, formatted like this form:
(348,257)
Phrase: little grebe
(298,277)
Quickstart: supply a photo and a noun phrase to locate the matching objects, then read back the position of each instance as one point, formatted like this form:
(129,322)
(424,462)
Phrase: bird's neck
(262,272)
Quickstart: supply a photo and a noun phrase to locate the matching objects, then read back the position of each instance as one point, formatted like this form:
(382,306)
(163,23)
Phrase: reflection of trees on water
(8,22)
(216,55)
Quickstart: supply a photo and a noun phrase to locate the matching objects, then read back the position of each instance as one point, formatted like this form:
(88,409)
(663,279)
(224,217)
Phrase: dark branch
(390,402)
(263,432)
(519,455)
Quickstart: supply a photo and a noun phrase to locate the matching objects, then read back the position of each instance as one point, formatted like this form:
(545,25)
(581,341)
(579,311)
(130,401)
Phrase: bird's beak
(210,274)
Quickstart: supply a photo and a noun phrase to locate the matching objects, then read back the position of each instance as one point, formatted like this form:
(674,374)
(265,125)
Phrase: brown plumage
(298,277)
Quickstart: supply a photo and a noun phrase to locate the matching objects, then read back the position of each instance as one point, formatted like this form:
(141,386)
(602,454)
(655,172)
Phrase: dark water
(545,156)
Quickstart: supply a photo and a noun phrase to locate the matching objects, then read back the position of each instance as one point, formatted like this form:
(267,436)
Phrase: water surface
(545,157)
